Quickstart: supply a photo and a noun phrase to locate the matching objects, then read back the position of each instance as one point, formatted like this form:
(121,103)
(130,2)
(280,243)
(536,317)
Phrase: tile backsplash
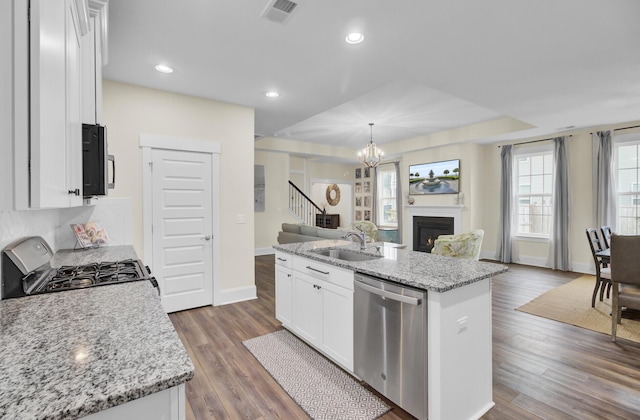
(114,214)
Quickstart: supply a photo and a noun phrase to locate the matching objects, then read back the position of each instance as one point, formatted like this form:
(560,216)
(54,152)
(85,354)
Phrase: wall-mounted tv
(435,178)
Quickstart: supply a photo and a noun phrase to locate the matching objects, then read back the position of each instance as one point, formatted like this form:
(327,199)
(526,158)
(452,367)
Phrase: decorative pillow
(330,233)
(308,230)
(291,228)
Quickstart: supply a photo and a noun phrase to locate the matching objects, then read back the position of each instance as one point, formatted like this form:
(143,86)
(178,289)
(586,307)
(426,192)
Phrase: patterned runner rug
(571,304)
(319,387)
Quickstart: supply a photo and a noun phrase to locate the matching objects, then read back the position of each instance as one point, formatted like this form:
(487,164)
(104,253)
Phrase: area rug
(571,304)
(319,387)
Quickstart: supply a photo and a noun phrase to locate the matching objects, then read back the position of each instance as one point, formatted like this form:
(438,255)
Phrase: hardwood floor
(541,368)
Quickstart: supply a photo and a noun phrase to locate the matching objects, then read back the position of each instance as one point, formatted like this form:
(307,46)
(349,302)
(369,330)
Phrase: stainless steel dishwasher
(390,341)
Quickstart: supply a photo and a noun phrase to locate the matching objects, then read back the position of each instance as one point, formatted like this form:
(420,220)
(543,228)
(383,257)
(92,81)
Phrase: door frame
(149,142)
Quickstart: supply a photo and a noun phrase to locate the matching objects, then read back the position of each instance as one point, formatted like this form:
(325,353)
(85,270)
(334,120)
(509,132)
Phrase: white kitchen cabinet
(322,302)
(94,56)
(337,324)
(55,102)
(307,295)
(284,289)
(42,113)
(14,105)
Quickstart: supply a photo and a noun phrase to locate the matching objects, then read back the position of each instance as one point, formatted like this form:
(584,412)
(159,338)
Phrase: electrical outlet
(462,323)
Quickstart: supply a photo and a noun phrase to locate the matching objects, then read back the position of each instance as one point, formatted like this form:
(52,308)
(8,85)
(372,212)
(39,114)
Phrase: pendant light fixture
(370,156)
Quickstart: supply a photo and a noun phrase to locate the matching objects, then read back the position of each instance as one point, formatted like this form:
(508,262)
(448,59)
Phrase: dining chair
(625,277)
(603,274)
(606,235)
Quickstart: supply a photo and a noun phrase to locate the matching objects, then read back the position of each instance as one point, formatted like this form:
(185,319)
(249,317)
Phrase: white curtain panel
(506,205)
(604,188)
(559,249)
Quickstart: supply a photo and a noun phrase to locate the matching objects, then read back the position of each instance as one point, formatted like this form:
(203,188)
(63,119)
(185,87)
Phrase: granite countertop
(73,353)
(92,255)
(417,269)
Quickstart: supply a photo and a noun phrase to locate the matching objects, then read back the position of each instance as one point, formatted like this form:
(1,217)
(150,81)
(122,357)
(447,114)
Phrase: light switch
(242,218)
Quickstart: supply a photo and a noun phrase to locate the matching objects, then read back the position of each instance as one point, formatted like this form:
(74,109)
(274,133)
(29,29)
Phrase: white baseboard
(237,294)
(584,268)
(264,251)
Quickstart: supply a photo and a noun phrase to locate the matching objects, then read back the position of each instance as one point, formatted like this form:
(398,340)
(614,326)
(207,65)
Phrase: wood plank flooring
(542,369)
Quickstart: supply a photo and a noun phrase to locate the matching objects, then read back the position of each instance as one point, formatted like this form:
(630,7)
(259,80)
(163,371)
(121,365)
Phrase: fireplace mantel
(454,211)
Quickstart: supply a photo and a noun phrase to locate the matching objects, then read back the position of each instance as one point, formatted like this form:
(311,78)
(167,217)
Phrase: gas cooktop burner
(78,277)
(26,270)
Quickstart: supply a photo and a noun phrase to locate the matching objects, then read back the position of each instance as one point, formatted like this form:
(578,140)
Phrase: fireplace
(426,229)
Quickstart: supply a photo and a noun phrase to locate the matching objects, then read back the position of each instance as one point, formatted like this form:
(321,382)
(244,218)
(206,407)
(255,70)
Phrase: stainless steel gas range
(26,270)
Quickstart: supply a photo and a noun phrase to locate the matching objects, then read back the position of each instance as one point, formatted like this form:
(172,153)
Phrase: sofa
(293,232)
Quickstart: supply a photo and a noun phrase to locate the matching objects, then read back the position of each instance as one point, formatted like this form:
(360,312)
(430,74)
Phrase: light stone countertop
(92,255)
(69,354)
(417,269)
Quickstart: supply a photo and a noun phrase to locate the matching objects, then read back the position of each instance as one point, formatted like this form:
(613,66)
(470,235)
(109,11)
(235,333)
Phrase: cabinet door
(284,296)
(73,144)
(56,130)
(337,324)
(306,303)
(89,75)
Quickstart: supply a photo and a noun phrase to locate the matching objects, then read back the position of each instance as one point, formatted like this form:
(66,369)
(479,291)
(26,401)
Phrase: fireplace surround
(453,211)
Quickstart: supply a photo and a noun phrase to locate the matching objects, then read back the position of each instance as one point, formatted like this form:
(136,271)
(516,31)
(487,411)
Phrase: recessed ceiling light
(272,94)
(354,38)
(164,69)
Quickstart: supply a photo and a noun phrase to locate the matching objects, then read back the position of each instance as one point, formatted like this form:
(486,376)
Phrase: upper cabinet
(94,56)
(55,103)
(54,77)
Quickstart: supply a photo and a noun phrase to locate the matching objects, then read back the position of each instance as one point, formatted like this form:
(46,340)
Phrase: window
(627,153)
(533,183)
(387,187)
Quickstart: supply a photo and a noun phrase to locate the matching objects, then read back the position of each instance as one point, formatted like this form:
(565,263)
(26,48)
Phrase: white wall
(114,214)
(133,110)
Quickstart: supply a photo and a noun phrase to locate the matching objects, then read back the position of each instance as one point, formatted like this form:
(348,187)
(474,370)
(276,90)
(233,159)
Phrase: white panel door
(182,228)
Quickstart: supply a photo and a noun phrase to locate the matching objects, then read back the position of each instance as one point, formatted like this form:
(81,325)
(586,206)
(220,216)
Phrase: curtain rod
(622,128)
(534,141)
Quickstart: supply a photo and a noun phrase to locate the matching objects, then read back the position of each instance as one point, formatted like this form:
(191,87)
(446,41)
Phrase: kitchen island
(458,324)
(103,352)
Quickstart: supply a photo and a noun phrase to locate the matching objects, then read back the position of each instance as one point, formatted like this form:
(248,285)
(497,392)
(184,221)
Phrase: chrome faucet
(362,237)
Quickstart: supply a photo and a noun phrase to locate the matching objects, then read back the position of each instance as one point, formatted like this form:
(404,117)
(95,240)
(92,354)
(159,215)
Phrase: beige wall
(536,252)
(480,185)
(132,110)
(276,169)
(471,176)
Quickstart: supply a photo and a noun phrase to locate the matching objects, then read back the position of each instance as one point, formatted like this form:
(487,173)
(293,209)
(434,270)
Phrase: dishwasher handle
(389,295)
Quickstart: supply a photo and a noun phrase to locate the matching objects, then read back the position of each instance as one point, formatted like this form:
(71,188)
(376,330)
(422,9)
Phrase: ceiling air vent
(279,11)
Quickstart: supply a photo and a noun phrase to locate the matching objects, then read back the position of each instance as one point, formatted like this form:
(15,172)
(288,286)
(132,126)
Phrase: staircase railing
(302,207)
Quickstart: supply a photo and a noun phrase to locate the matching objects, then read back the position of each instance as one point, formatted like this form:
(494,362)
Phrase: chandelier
(370,156)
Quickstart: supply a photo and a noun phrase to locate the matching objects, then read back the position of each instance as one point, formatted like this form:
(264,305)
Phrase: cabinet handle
(74,192)
(282,259)
(316,287)
(316,270)
(288,275)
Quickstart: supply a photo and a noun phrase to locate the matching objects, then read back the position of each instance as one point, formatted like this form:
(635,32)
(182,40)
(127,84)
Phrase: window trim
(379,198)
(531,151)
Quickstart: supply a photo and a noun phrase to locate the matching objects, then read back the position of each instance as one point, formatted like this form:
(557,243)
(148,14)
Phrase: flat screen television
(435,178)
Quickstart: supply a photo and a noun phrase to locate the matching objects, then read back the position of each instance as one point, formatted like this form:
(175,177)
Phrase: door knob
(207,237)
(75,192)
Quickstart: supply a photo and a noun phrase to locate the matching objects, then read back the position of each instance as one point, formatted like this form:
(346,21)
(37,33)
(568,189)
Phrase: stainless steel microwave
(98,166)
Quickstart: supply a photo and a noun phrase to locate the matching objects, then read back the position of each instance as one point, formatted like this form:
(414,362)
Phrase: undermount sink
(345,255)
